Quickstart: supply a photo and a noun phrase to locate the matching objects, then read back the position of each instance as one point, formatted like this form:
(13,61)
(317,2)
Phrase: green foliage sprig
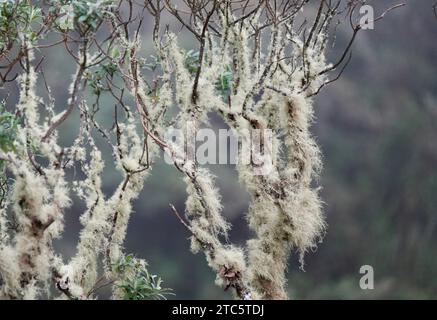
(136,283)
(82,13)
(8,129)
(8,132)
(16,18)
(224,81)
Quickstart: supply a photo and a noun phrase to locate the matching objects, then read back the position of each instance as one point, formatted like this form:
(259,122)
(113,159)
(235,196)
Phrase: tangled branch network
(256,64)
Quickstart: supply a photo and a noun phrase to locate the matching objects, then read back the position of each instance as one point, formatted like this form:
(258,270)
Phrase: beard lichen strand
(203,209)
(203,204)
(304,165)
(135,171)
(268,252)
(105,221)
(39,197)
(285,211)
(9,273)
(81,271)
(298,221)
(208,226)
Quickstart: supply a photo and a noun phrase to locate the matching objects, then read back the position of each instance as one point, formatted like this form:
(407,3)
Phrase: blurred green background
(377,128)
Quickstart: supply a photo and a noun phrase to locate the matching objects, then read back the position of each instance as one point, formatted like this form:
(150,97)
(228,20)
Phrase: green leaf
(136,282)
